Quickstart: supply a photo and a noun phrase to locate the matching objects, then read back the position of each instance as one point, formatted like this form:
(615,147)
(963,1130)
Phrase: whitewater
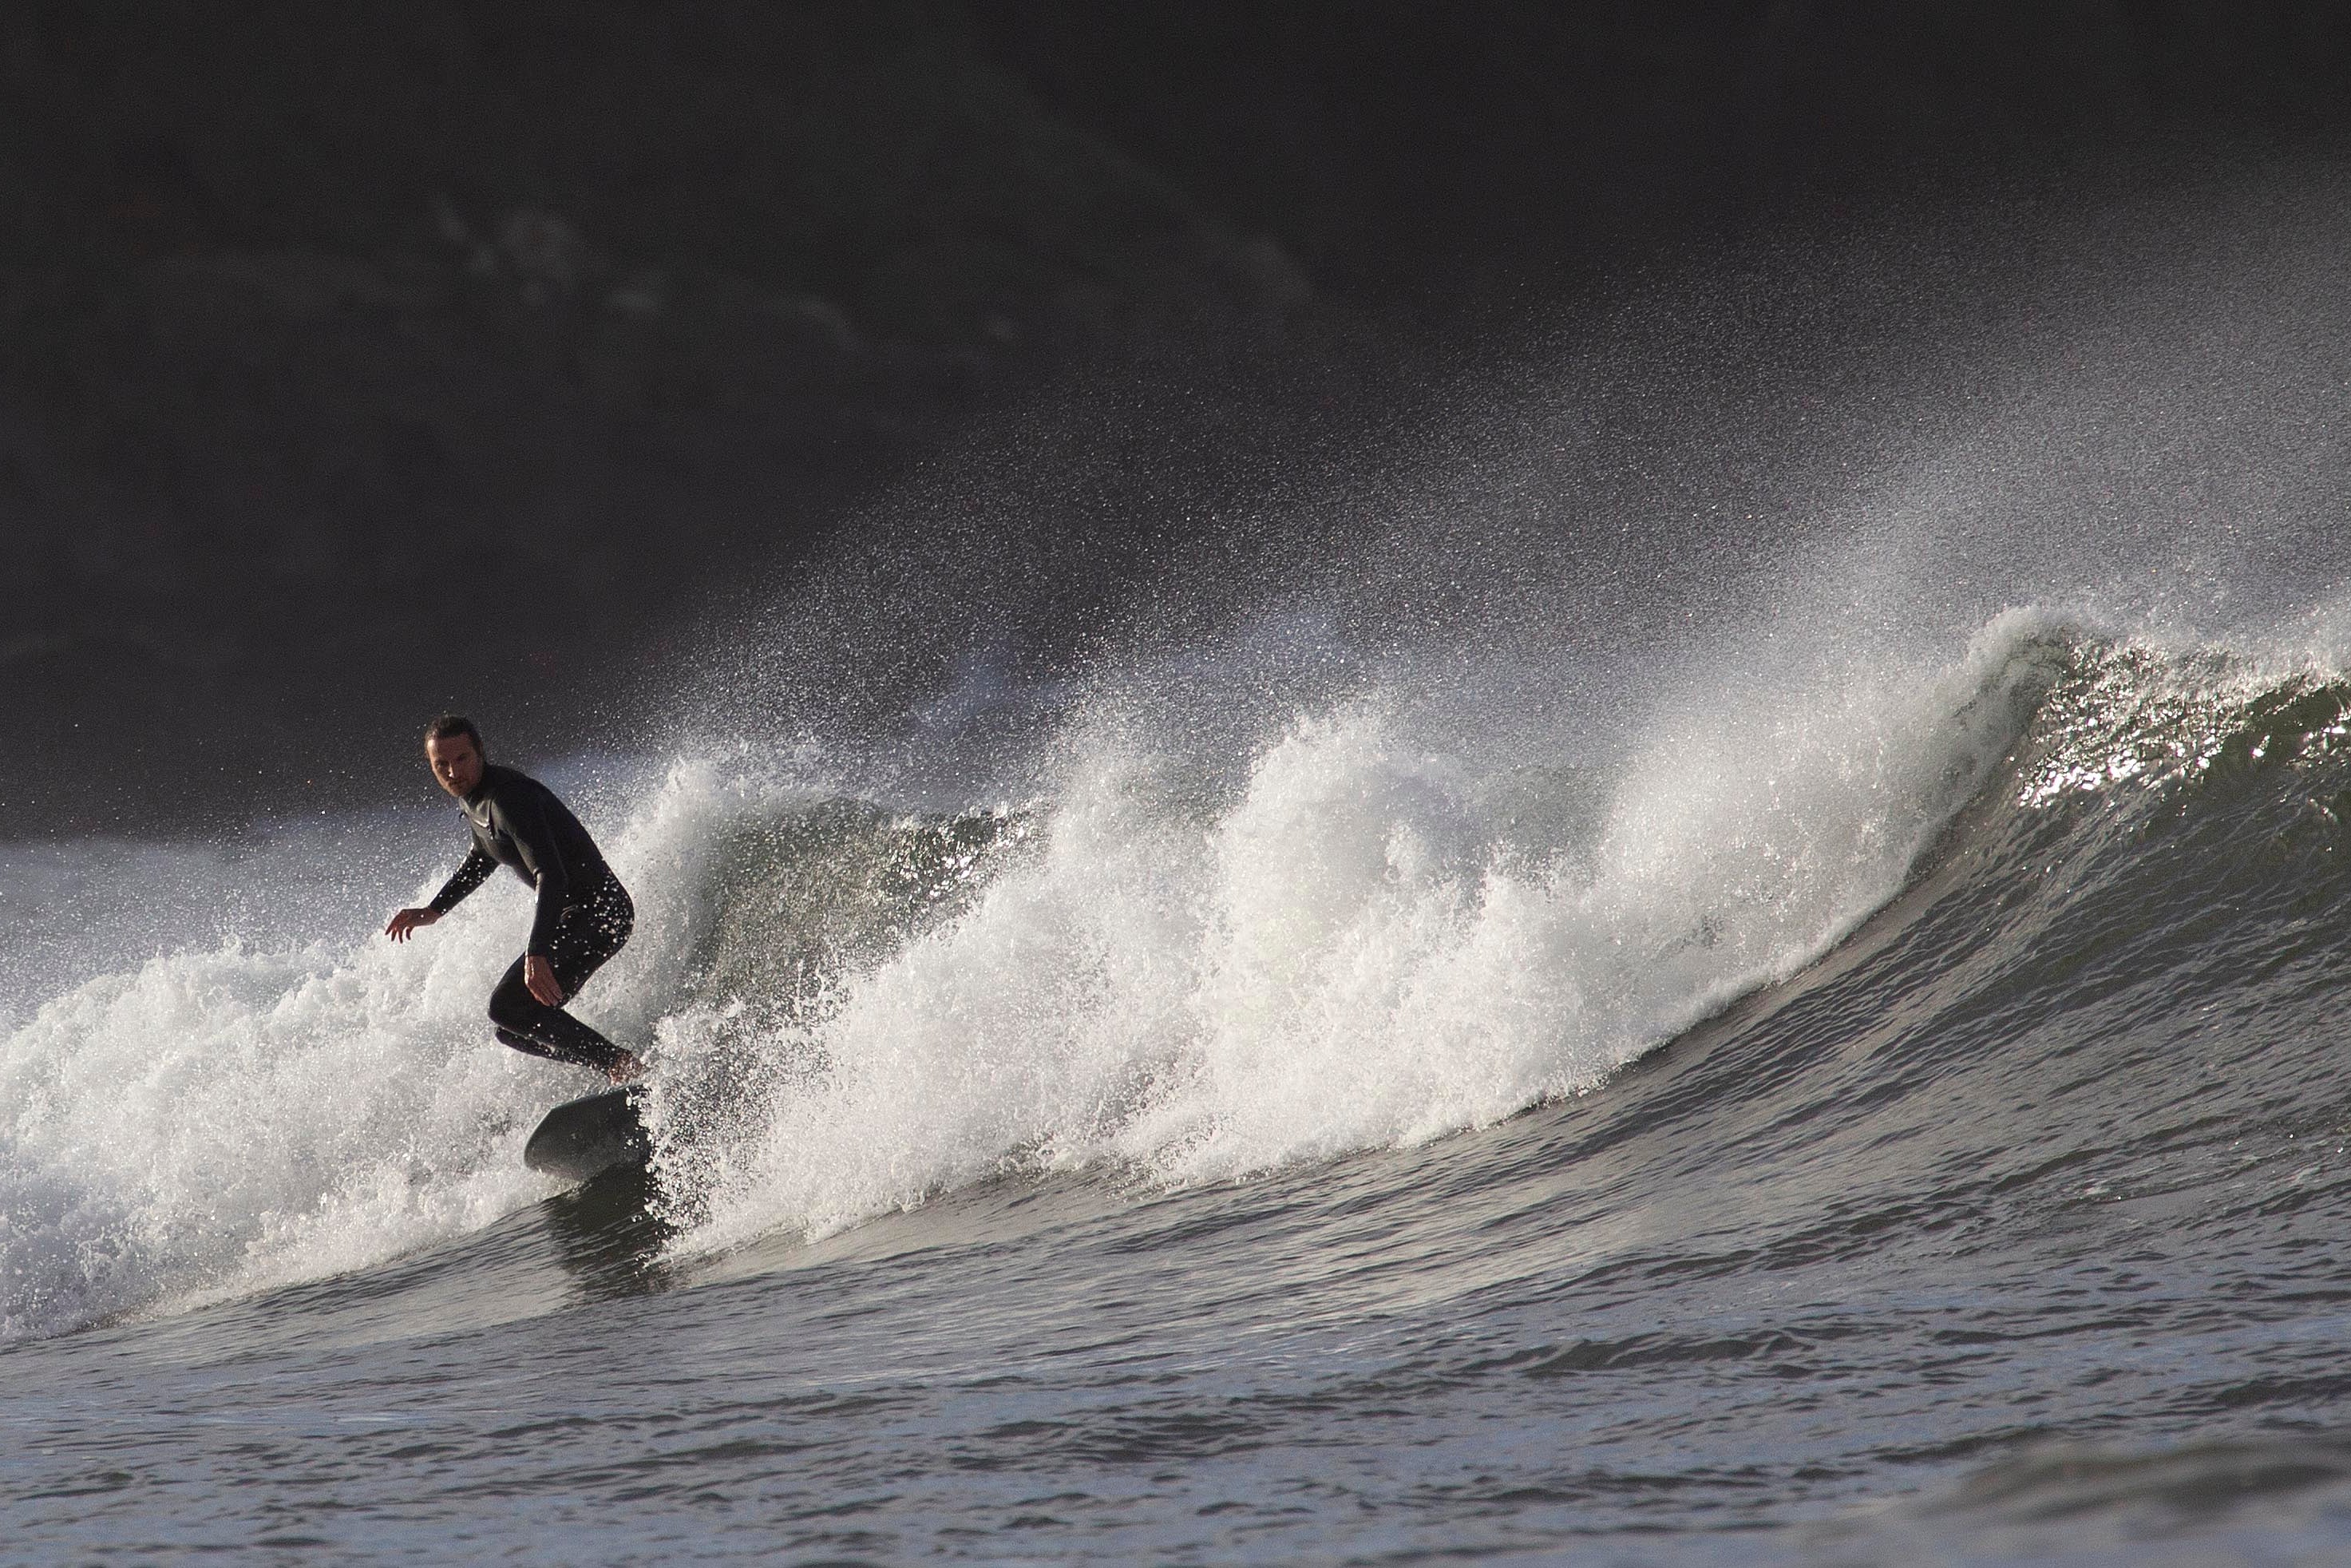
(1796,1027)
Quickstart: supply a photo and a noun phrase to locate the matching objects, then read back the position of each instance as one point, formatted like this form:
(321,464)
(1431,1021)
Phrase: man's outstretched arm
(470,875)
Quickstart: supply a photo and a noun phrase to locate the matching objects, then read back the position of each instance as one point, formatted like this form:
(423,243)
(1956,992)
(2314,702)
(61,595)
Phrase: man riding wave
(584,916)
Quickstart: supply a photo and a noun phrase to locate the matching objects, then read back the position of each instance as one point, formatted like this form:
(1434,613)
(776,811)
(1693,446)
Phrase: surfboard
(583,1138)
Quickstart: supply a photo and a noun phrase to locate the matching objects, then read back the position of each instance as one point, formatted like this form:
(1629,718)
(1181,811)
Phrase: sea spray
(1354,943)
(250,1109)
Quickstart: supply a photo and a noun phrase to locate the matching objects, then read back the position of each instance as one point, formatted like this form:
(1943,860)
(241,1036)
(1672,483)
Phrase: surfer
(584,915)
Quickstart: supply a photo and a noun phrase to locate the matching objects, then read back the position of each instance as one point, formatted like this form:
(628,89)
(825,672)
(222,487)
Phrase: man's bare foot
(630,1067)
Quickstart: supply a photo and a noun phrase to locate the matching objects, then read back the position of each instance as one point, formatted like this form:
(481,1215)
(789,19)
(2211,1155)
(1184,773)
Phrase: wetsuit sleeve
(470,875)
(534,836)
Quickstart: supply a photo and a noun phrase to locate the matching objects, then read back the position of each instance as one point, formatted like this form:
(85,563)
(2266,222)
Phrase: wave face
(1360,940)
(1164,966)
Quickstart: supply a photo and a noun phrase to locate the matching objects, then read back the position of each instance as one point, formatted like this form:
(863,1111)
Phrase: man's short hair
(449,725)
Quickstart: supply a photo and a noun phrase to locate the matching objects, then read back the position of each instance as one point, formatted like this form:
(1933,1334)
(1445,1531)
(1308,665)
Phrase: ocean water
(1832,1057)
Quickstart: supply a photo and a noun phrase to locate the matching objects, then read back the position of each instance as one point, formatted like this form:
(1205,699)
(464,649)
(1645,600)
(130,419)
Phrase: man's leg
(581,945)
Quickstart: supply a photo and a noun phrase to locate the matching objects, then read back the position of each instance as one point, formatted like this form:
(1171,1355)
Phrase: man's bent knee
(512,1007)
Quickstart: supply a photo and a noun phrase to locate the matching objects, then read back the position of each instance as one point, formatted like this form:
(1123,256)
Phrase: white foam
(1354,945)
(237,1112)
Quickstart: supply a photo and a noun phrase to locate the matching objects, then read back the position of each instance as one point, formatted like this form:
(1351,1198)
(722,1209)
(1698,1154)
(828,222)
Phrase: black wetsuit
(584,914)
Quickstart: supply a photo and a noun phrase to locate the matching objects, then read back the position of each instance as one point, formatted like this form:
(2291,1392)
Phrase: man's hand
(406,923)
(538,979)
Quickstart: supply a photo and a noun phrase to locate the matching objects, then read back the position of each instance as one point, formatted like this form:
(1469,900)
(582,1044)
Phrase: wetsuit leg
(589,934)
